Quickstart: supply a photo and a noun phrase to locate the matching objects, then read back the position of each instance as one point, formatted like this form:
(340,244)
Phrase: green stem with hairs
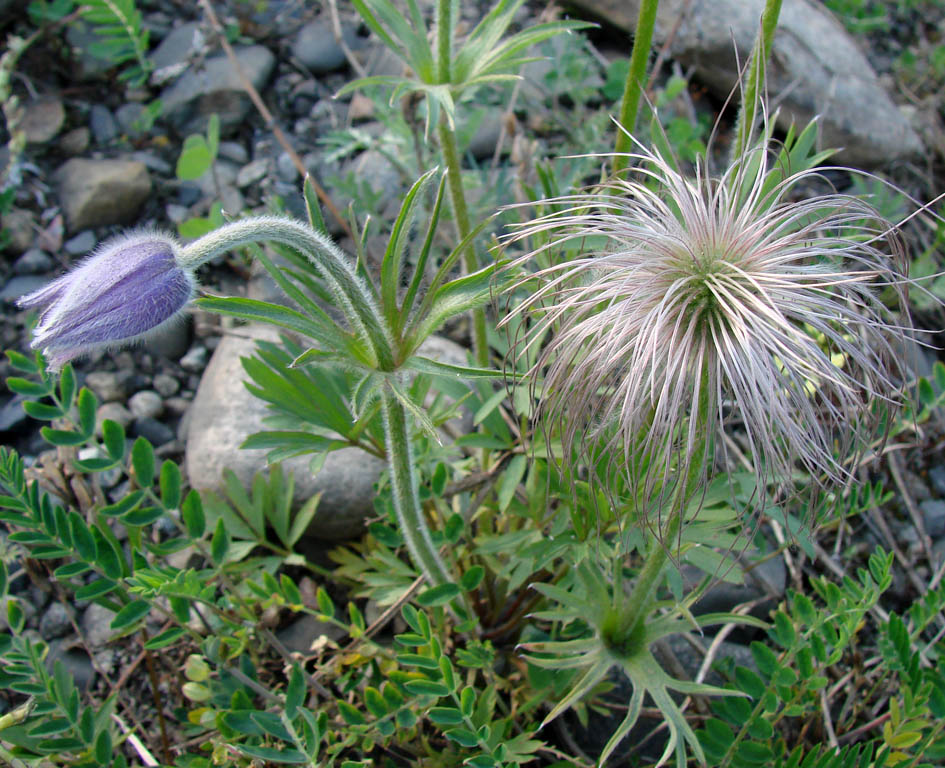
(454,179)
(355,298)
(444,39)
(636,80)
(632,614)
(748,114)
(407,507)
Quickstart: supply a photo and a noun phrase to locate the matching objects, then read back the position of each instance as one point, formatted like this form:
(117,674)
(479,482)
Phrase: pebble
(33,262)
(55,621)
(316,48)
(177,406)
(937,478)
(933,513)
(75,142)
(114,411)
(110,477)
(109,385)
(146,404)
(81,244)
(22,285)
(232,200)
(129,118)
(154,431)
(286,168)
(234,151)
(12,414)
(96,623)
(166,385)
(103,125)
(195,360)
(76,662)
(42,120)
(252,172)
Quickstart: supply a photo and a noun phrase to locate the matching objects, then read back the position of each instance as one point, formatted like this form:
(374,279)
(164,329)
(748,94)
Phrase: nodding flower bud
(130,287)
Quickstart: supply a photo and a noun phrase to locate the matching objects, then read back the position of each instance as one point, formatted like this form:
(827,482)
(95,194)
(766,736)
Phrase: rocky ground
(93,166)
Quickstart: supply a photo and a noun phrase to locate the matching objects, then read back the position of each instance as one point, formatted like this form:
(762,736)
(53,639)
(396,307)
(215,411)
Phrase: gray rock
(234,152)
(933,513)
(114,411)
(108,385)
(252,172)
(301,633)
(315,46)
(483,142)
(146,404)
(937,478)
(20,227)
(96,625)
(172,56)
(12,414)
(42,120)
(224,414)
(103,125)
(165,385)
(285,167)
(96,193)
(129,117)
(80,244)
(195,360)
(155,432)
(76,662)
(110,477)
(55,621)
(22,285)
(767,579)
(816,68)
(33,262)
(82,39)
(152,162)
(216,88)
(232,199)
(76,141)
(378,171)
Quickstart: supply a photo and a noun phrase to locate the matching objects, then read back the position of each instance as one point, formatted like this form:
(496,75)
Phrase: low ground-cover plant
(681,354)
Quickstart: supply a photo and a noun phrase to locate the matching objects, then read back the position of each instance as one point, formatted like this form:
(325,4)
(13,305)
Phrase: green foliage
(122,38)
(199,152)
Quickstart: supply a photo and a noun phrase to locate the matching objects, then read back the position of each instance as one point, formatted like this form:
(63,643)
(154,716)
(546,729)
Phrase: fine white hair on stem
(656,286)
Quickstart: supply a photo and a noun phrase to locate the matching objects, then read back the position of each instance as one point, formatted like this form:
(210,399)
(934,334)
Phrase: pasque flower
(723,291)
(128,288)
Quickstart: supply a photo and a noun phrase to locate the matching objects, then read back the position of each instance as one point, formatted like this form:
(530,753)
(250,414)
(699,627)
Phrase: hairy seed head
(721,290)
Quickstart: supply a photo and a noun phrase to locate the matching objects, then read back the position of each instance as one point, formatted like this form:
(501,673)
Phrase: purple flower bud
(128,288)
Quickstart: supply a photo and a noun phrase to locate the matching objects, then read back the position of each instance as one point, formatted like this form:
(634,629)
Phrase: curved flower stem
(636,79)
(410,518)
(356,299)
(635,610)
(748,113)
(458,198)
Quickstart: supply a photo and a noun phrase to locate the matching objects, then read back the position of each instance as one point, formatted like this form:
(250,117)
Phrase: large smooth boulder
(816,69)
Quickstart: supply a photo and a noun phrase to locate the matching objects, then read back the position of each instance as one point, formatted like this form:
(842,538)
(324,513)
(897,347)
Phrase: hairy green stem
(410,518)
(444,39)
(748,114)
(458,198)
(635,82)
(356,299)
(634,611)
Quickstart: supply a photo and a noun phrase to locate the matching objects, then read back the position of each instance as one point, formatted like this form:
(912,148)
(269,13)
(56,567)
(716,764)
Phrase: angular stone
(224,414)
(96,193)
(42,120)
(216,88)
(816,68)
